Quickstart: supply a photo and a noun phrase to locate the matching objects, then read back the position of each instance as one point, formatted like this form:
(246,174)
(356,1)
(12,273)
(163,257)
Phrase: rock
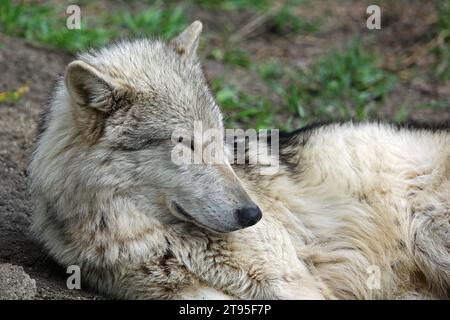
(15,283)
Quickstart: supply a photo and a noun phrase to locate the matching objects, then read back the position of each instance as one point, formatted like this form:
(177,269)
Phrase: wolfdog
(355,210)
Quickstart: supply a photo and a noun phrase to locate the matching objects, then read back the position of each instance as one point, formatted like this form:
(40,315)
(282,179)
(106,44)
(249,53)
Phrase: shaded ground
(39,68)
(24,64)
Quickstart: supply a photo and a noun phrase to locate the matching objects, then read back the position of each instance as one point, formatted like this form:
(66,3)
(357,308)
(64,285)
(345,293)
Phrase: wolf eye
(180,139)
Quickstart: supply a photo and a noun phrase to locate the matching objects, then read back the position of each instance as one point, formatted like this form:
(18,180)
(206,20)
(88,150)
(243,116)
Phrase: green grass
(444,15)
(242,109)
(401,115)
(270,71)
(47,24)
(233,56)
(155,20)
(285,21)
(442,69)
(340,85)
(433,104)
(43,24)
(235,4)
(281,23)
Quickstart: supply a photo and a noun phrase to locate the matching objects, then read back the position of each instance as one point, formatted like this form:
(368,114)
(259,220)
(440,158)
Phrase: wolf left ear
(88,87)
(186,43)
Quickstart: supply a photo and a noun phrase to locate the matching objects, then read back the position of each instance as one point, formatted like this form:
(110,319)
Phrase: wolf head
(125,102)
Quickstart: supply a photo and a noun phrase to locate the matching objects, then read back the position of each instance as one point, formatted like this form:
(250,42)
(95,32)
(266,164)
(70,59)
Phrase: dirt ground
(20,63)
(38,67)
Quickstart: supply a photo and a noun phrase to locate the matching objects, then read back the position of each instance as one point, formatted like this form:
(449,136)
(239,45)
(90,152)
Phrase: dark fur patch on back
(292,142)
(416,125)
(290,145)
(306,131)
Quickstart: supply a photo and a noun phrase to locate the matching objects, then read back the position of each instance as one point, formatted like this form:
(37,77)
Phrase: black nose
(248,216)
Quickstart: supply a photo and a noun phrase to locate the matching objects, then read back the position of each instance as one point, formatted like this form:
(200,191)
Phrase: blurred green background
(277,64)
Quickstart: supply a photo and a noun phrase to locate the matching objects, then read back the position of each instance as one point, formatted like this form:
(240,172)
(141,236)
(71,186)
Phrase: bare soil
(39,68)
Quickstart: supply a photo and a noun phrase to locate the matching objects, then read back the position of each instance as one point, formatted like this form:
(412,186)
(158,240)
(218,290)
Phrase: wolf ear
(186,43)
(87,86)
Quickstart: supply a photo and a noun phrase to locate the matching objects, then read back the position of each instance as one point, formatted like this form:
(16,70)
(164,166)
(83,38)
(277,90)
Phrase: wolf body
(355,211)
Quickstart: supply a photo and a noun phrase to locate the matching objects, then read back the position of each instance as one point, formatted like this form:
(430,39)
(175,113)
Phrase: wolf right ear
(186,43)
(87,86)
